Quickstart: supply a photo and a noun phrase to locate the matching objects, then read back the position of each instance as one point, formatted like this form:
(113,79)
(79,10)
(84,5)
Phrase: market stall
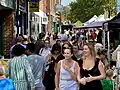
(112,32)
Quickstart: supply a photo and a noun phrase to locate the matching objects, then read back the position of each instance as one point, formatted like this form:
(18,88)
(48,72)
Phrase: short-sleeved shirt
(38,66)
(44,52)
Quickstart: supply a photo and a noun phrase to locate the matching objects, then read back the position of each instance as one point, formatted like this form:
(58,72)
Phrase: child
(108,83)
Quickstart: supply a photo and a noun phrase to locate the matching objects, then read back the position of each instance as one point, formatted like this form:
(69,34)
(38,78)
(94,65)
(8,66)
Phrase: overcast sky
(66,2)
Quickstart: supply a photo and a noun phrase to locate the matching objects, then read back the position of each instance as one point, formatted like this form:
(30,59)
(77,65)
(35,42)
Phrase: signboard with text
(118,6)
(23,5)
(7,3)
(34,6)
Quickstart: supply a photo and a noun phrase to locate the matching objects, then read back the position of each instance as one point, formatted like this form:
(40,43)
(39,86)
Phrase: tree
(83,10)
(109,6)
(66,11)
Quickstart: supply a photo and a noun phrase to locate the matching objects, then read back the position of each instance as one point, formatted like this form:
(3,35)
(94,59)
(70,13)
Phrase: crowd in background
(64,62)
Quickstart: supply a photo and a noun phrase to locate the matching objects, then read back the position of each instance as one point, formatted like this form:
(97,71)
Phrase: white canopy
(95,22)
(91,20)
(41,14)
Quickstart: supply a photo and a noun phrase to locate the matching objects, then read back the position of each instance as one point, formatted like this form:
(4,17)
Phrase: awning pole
(108,38)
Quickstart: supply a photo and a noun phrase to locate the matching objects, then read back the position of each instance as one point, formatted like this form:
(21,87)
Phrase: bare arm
(81,80)
(102,72)
(78,77)
(57,76)
(48,59)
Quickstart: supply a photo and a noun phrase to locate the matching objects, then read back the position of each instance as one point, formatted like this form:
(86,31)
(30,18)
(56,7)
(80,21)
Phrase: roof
(94,22)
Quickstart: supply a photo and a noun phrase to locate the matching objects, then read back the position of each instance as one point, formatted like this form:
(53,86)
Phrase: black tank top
(93,85)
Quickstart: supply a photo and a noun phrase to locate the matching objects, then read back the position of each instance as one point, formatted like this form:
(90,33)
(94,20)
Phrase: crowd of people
(58,65)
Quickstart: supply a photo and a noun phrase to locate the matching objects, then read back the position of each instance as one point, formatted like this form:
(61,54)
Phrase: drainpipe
(28,20)
(17,13)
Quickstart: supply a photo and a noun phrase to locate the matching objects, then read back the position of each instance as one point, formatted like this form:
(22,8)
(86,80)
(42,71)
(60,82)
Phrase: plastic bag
(6,84)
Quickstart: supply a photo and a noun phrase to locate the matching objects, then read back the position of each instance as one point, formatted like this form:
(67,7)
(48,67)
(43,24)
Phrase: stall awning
(95,22)
(43,16)
(114,23)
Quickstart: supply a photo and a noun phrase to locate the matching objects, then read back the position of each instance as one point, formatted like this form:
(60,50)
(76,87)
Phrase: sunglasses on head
(66,48)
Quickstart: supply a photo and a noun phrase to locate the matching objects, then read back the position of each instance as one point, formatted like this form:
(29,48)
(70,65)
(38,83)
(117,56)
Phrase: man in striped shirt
(37,64)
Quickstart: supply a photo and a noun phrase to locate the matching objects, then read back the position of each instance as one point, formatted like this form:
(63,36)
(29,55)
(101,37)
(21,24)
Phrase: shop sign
(118,6)
(7,3)
(22,5)
(34,6)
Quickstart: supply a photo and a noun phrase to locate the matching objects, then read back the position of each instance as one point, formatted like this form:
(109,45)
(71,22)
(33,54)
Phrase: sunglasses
(66,48)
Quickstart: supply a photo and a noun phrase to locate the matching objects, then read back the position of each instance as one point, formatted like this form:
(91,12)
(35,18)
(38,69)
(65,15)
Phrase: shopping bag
(6,84)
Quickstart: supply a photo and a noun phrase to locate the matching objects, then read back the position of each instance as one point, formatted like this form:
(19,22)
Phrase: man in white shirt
(46,50)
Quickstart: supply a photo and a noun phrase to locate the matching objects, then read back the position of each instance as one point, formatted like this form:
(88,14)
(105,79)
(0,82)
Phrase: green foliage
(110,6)
(83,10)
(66,11)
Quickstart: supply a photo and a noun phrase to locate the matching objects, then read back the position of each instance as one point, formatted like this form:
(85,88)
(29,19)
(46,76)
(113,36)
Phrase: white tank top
(64,74)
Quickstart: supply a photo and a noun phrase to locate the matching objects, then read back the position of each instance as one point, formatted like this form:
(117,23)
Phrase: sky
(66,2)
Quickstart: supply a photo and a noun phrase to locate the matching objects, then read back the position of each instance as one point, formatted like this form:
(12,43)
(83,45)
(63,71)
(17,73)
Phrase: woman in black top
(51,63)
(91,70)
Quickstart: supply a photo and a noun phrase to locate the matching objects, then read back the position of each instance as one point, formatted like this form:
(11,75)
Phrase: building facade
(13,22)
(21,17)
(42,21)
(6,25)
(48,7)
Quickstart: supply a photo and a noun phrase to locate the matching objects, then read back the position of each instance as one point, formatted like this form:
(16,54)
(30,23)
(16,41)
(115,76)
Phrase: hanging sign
(34,6)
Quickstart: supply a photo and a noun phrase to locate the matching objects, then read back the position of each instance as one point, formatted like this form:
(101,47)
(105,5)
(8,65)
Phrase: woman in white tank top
(66,73)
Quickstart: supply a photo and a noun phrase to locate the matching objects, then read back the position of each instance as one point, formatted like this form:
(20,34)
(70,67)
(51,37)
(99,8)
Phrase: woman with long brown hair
(91,70)
(66,72)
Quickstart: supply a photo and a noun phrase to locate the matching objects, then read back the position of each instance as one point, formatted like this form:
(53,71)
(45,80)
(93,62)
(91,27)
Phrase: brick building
(6,25)
(13,22)
(47,6)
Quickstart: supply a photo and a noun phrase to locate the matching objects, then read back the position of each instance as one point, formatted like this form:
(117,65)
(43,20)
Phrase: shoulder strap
(73,65)
(97,62)
(61,63)
(81,63)
(40,51)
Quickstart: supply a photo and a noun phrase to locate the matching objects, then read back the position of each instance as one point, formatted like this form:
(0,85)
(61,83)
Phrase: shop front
(21,17)
(6,25)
